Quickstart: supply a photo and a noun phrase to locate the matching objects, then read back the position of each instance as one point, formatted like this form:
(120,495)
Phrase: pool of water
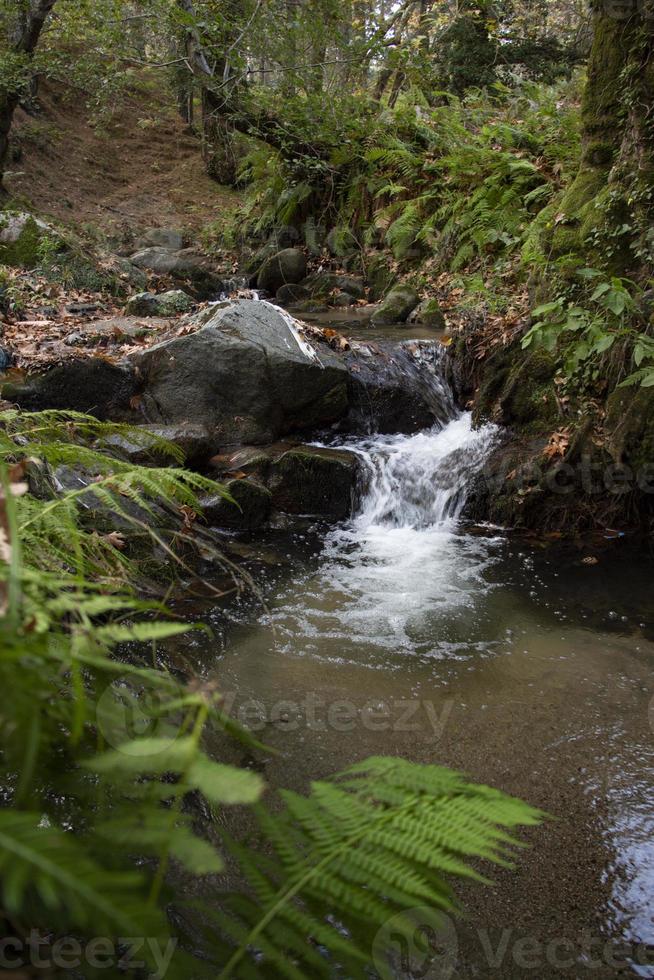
(354,323)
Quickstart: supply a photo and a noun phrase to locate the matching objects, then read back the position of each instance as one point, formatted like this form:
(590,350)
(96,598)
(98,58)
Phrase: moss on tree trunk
(605,217)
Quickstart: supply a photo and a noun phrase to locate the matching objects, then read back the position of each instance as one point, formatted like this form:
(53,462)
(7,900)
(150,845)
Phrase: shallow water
(354,322)
(402,632)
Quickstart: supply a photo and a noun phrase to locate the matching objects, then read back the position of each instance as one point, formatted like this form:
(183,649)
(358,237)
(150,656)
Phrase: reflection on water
(527,669)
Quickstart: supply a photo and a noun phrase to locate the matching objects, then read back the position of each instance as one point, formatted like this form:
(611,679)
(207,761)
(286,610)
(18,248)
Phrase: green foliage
(461,180)
(587,320)
(378,840)
(60,530)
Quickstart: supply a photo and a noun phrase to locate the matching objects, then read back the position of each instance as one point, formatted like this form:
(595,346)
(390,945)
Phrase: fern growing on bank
(84,493)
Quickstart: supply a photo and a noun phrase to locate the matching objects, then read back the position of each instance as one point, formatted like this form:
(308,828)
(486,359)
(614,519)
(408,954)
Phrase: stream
(404,632)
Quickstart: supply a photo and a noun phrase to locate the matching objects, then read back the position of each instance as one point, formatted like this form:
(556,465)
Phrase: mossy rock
(20,239)
(517,389)
(169,304)
(630,426)
(429,314)
(251,507)
(287,266)
(315,481)
(399,303)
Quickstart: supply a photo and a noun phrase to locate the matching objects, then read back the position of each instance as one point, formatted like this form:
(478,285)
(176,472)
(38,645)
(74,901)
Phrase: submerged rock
(399,303)
(244,375)
(286,267)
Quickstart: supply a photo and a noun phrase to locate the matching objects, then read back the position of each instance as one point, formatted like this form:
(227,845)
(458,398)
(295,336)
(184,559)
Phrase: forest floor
(107,184)
(141,169)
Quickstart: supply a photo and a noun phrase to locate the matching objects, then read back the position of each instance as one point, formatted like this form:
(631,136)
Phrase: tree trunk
(225,109)
(606,215)
(219,98)
(217,139)
(23,42)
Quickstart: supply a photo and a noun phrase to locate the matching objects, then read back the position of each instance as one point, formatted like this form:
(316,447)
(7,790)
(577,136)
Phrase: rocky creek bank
(243,389)
(563,464)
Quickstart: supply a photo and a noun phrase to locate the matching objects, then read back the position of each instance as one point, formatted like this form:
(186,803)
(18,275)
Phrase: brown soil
(142,169)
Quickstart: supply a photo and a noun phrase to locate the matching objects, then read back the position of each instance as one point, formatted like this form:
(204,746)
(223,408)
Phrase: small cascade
(238,287)
(421,481)
(402,559)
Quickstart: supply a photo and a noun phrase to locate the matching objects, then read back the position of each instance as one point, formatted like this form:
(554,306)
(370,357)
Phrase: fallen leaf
(115,539)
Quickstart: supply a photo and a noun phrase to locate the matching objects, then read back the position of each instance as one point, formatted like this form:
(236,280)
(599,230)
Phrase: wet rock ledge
(242,389)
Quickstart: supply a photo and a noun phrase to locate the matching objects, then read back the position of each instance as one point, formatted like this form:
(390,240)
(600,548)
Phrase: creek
(405,632)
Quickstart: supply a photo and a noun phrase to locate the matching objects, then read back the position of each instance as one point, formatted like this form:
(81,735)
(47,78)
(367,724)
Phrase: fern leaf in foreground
(378,840)
(41,866)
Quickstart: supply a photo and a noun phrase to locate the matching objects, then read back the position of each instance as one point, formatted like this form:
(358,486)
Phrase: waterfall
(420,481)
(394,579)
(402,559)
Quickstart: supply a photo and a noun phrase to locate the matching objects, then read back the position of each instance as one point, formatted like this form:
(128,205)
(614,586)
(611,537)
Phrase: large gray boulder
(245,375)
(286,267)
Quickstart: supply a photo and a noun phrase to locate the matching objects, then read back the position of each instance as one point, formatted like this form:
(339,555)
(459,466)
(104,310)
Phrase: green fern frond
(44,866)
(382,838)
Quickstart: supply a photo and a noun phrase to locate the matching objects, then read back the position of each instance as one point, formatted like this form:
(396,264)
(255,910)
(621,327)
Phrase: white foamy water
(401,562)
(420,481)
